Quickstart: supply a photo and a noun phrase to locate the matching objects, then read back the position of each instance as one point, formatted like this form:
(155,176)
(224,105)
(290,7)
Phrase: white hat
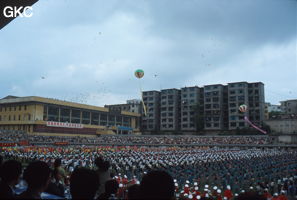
(225,198)
(198,197)
(190,196)
(251,188)
(215,187)
(186,185)
(219,191)
(196,188)
(120,185)
(228,187)
(174,180)
(236,194)
(282,191)
(137,182)
(242,191)
(195,183)
(175,184)
(275,194)
(187,181)
(205,189)
(206,186)
(207,195)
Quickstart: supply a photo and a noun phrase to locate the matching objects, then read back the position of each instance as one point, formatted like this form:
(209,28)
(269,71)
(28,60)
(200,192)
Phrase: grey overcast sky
(88,53)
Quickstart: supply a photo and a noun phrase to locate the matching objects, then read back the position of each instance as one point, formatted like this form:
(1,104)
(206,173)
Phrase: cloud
(89,51)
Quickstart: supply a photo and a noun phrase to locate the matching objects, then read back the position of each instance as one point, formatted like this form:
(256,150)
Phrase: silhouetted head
(133,192)
(83,183)
(111,187)
(37,175)
(101,164)
(57,162)
(11,171)
(157,185)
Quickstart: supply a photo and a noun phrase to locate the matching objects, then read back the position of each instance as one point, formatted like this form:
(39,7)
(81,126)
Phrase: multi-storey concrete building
(218,107)
(170,110)
(151,121)
(237,95)
(289,106)
(191,108)
(38,115)
(213,107)
(133,105)
(256,105)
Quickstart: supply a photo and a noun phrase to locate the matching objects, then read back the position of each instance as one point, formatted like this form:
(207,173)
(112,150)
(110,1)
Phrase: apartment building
(289,106)
(256,105)
(191,108)
(214,107)
(175,110)
(151,121)
(170,110)
(237,95)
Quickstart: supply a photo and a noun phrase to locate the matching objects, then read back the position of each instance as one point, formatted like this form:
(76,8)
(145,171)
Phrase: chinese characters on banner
(64,124)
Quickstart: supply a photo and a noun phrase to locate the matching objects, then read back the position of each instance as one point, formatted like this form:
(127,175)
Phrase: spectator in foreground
(37,176)
(157,185)
(111,190)
(83,183)
(10,174)
(103,173)
(133,192)
(56,186)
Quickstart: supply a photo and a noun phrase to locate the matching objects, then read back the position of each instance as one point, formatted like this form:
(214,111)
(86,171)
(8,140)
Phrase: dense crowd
(197,173)
(10,136)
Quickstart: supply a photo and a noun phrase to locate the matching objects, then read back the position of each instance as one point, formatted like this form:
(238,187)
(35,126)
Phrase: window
(25,107)
(233,124)
(75,116)
(241,124)
(86,117)
(232,117)
(215,99)
(208,99)
(241,98)
(232,105)
(207,106)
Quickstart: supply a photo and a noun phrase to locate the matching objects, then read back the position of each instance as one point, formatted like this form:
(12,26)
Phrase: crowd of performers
(16,136)
(198,173)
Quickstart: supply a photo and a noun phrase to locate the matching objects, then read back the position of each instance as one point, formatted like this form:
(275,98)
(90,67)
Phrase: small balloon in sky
(242,108)
(139,73)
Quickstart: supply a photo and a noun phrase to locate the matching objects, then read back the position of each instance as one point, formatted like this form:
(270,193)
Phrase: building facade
(191,107)
(213,107)
(50,116)
(289,106)
(218,107)
(151,121)
(170,110)
(133,105)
